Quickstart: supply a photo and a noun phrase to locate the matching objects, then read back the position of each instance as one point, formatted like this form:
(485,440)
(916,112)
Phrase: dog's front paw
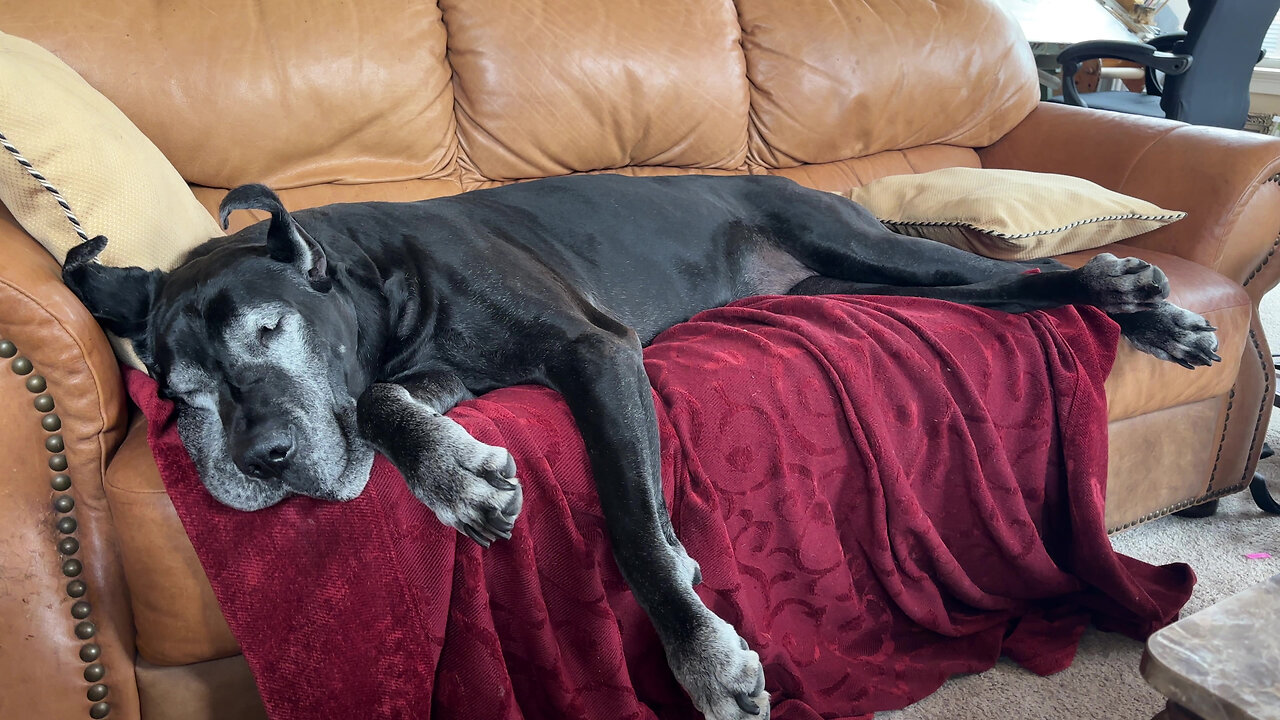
(721,674)
(1122,285)
(469,485)
(1172,333)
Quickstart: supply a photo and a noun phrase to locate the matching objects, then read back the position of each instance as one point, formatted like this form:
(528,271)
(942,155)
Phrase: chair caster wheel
(1258,488)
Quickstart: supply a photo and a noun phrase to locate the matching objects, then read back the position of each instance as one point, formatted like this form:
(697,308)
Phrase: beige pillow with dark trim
(1008,214)
(114,180)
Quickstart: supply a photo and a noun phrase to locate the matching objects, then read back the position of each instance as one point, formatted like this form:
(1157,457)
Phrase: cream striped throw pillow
(1008,214)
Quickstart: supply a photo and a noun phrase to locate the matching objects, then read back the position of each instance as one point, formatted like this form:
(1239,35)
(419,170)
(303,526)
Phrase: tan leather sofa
(382,99)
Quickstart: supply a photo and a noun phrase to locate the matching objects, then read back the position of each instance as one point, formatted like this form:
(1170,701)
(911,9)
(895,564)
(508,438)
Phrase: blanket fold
(882,493)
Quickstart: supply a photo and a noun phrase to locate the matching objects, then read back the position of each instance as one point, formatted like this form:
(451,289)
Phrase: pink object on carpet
(882,493)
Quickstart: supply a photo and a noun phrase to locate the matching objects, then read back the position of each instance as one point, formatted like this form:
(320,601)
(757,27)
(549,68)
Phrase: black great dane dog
(298,346)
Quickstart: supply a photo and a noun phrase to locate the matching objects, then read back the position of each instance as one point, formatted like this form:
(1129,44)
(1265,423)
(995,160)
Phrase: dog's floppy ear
(119,298)
(287,242)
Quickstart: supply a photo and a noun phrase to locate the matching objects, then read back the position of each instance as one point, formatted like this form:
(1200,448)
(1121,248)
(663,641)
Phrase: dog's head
(260,352)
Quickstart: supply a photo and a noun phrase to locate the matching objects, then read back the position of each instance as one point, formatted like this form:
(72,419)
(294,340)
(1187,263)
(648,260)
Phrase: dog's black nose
(270,454)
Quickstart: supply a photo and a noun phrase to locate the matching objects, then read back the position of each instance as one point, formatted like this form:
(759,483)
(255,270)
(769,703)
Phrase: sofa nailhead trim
(1266,397)
(1180,505)
(1264,262)
(1257,423)
(66,526)
(1210,492)
(1226,422)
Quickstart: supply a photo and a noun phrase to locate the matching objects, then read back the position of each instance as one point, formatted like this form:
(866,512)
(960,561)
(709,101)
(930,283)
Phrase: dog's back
(649,251)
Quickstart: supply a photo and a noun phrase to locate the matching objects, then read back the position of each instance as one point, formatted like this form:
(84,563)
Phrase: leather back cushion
(302,92)
(547,87)
(835,80)
(287,92)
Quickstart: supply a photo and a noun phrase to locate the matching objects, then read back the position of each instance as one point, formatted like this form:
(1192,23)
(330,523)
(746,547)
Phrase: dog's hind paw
(1122,285)
(721,674)
(1171,333)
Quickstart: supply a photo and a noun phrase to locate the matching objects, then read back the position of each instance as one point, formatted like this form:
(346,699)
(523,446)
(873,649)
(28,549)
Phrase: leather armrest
(56,332)
(1225,180)
(41,640)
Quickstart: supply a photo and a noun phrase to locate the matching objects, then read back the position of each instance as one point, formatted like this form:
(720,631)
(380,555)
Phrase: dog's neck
(395,311)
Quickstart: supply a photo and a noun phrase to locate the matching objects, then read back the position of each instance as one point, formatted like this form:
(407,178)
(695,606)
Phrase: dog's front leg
(469,485)
(602,378)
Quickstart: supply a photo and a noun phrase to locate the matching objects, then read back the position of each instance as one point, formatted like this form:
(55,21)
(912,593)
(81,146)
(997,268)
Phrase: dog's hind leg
(843,240)
(854,253)
(1116,285)
(1131,291)
(601,376)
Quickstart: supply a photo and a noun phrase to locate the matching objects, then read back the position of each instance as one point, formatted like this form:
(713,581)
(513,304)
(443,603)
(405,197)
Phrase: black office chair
(1206,68)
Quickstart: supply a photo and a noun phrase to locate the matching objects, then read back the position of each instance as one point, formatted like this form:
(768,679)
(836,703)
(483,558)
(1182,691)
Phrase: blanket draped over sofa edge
(882,493)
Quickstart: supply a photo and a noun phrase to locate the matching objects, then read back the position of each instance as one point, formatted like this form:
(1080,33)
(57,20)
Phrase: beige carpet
(1104,683)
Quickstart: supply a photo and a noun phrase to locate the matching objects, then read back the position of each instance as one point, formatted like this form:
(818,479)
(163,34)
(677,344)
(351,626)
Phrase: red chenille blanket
(882,492)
